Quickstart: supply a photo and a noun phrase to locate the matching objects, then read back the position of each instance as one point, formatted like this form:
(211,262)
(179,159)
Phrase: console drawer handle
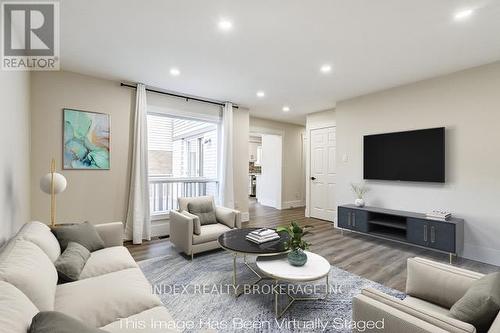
(425,232)
(433,234)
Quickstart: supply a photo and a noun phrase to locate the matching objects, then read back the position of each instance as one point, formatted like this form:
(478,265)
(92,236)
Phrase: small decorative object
(53,183)
(296,245)
(360,191)
(86,140)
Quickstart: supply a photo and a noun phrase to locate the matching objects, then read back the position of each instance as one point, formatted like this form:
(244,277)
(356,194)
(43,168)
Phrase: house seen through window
(182,160)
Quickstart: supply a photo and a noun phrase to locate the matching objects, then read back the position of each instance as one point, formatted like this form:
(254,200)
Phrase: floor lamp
(53,183)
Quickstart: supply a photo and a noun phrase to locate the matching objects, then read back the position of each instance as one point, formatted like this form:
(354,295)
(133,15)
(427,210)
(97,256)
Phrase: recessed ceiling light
(225,25)
(260,94)
(286,108)
(326,68)
(463,14)
(175,72)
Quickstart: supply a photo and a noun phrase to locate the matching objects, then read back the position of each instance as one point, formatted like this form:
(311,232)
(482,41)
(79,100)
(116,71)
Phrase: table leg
(235,286)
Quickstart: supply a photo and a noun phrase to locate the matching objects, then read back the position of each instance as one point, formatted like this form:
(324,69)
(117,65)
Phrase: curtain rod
(187,98)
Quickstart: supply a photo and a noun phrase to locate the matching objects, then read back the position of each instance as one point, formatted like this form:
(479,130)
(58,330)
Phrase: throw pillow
(82,233)
(204,210)
(70,263)
(57,322)
(480,304)
(196,222)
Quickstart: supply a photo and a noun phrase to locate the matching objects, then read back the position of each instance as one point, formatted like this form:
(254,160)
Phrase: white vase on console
(359,202)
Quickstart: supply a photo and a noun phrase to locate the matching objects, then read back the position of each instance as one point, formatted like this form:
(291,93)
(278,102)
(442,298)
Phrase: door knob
(313,178)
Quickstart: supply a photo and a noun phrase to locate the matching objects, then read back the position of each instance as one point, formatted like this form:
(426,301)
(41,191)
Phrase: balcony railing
(164,191)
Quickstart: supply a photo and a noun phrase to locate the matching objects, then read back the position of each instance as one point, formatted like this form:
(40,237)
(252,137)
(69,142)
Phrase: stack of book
(260,236)
(438,215)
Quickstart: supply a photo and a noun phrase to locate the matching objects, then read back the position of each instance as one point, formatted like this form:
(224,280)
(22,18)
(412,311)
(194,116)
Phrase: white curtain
(138,225)
(226,188)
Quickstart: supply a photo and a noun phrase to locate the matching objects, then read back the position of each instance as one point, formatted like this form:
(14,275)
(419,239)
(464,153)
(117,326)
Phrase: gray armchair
(191,238)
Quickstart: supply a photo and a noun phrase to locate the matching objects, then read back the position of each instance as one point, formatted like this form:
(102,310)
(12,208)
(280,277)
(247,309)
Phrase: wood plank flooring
(375,259)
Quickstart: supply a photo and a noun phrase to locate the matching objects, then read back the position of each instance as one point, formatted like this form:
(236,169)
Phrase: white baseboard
(483,254)
(245,216)
(160,228)
(293,204)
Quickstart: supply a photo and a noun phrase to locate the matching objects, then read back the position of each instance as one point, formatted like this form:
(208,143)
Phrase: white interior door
(323,174)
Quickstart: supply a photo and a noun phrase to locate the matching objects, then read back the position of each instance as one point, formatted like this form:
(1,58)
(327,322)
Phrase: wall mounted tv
(417,156)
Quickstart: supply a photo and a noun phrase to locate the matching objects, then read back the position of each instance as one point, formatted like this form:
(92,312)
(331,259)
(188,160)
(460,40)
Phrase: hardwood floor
(378,260)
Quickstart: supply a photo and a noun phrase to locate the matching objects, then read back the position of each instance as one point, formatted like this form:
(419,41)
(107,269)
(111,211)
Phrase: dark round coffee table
(235,242)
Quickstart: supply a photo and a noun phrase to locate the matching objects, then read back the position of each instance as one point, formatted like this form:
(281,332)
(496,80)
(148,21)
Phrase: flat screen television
(417,156)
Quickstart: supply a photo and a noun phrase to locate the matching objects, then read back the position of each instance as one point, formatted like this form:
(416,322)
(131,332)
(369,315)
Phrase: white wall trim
(245,216)
(293,204)
(160,228)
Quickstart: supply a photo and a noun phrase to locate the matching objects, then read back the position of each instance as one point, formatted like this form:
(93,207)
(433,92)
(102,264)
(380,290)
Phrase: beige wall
(100,195)
(468,105)
(15,162)
(293,183)
(94,195)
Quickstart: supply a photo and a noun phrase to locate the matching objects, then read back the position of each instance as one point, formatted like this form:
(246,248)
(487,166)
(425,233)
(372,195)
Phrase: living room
(127,178)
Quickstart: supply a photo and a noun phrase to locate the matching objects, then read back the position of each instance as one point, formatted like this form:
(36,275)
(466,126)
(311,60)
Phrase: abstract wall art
(86,140)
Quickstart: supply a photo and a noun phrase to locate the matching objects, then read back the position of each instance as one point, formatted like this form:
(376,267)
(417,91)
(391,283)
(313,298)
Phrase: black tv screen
(406,156)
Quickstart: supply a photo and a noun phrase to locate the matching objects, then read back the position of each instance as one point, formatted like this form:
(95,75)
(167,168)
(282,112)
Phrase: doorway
(265,176)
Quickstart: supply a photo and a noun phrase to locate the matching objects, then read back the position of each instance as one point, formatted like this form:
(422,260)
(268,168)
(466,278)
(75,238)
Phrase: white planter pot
(359,202)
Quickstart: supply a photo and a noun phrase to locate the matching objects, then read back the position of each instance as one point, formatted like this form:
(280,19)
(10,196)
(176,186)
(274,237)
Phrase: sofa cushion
(438,283)
(210,232)
(106,298)
(57,322)
(70,263)
(107,260)
(480,304)
(158,314)
(196,221)
(16,310)
(82,233)
(204,210)
(30,270)
(40,234)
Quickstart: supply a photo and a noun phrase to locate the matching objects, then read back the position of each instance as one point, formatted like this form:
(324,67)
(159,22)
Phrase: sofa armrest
(438,283)
(228,216)
(181,231)
(111,233)
(437,320)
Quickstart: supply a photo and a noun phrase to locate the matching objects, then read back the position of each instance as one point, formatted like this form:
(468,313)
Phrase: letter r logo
(28,28)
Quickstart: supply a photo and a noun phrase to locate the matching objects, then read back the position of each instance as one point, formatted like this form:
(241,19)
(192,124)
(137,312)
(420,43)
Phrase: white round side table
(279,269)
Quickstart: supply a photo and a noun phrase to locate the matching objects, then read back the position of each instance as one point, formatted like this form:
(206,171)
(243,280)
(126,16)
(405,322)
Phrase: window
(182,160)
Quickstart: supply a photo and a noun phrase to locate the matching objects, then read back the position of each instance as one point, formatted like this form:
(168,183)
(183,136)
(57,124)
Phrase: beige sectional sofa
(432,289)
(111,286)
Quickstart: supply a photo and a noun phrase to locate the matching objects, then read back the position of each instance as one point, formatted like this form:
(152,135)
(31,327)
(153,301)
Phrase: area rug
(198,294)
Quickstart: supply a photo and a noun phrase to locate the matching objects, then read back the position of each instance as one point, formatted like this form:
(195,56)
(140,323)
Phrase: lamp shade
(59,183)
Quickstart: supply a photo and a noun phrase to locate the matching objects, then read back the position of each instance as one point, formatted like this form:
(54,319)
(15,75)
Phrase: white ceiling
(277,46)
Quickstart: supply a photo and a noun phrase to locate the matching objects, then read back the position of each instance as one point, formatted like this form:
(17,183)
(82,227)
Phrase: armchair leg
(192,255)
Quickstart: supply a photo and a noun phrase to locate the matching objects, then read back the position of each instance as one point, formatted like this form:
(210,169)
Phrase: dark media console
(404,227)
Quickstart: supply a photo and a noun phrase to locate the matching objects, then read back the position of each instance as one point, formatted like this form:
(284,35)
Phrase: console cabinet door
(442,236)
(344,218)
(360,220)
(417,231)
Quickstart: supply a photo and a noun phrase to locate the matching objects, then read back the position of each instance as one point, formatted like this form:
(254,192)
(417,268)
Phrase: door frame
(308,165)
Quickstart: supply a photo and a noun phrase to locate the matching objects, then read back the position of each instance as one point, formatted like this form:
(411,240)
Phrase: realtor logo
(30,36)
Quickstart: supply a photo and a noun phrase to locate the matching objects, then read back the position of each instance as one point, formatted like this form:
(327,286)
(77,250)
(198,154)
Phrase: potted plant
(360,191)
(295,243)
